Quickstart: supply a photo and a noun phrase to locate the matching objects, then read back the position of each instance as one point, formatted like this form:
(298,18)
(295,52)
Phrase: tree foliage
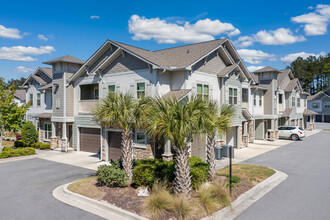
(15,83)
(11,115)
(312,72)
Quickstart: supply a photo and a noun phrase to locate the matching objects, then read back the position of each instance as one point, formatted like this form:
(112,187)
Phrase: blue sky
(271,33)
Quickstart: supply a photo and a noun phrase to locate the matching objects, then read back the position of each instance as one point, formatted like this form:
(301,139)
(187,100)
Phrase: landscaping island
(162,203)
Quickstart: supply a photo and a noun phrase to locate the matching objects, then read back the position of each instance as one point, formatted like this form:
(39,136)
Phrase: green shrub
(44,146)
(111,176)
(199,173)
(18,143)
(6,149)
(9,152)
(29,133)
(144,175)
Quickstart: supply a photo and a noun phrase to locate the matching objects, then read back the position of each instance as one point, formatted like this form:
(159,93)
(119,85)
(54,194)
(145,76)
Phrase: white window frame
(298,102)
(144,145)
(98,92)
(31,98)
(293,101)
(327,105)
(114,85)
(232,97)
(203,94)
(315,105)
(39,99)
(137,91)
(47,133)
(260,99)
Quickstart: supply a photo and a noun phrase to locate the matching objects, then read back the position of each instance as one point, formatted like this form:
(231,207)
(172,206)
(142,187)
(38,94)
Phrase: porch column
(167,155)
(64,145)
(272,130)
(53,138)
(39,136)
(245,138)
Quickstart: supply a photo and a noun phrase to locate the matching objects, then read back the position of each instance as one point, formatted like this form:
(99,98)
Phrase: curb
(100,208)
(245,200)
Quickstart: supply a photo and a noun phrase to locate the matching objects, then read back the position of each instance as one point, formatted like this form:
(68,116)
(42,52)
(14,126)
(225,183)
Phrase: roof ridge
(131,45)
(190,44)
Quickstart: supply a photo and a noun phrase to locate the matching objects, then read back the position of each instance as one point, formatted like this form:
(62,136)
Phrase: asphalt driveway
(305,194)
(26,190)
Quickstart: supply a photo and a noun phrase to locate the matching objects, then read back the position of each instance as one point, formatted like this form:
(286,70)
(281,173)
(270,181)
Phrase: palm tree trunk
(210,156)
(127,154)
(182,181)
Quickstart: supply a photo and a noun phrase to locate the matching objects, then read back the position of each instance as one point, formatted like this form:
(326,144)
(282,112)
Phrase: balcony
(89,98)
(245,105)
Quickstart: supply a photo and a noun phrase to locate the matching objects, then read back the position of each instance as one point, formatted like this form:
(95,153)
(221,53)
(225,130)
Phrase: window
(141,89)
(203,91)
(111,88)
(293,101)
(260,100)
(96,93)
(254,99)
(298,102)
(316,105)
(232,96)
(140,138)
(31,99)
(327,105)
(280,98)
(48,130)
(38,99)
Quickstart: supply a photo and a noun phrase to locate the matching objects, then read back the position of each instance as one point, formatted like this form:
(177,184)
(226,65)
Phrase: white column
(64,138)
(53,129)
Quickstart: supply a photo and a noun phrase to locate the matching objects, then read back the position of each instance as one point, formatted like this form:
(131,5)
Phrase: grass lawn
(87,187)
(7,143)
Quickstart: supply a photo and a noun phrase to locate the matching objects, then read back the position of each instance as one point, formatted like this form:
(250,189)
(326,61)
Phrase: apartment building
(320,103)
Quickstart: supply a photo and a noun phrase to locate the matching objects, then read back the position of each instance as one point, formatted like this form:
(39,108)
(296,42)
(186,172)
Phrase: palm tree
(217,121)
(178,122)
(122,111)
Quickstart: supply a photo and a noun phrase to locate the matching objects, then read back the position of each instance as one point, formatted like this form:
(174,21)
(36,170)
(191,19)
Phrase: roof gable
(66,58)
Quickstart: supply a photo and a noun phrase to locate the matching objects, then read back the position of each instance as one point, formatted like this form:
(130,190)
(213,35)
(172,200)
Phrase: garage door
(318,118)
(90,140)
(326,118)
(114,145)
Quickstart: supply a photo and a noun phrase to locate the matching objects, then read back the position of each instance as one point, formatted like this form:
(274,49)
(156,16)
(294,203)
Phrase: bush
(9,152)
(165,171)
(44,146)
(29,133)
(111,176)
(6,149)
(18,144)
(144,175)
(18,136)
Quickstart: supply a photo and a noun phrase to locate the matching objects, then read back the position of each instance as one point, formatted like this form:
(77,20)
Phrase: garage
(90,140)
(318,118)
(326,118)
(114,140)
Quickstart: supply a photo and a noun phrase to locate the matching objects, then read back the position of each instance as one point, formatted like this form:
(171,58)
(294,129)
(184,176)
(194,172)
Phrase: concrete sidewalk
(257,148)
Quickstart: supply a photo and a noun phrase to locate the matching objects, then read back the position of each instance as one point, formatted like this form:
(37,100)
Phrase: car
(294,133)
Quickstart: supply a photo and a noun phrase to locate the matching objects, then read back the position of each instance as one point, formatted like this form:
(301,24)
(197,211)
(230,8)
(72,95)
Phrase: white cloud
(316,22)
(164,32)
(255,56)
(291,57)
(94,17)
(24,69)
(42,37)
(278,37)
(12,33)
(234,32)
(254,68)
(21,53)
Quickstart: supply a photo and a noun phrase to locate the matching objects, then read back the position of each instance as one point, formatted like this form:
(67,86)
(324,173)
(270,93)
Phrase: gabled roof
(315,96)
(20,94)
(39,79)
(171,59)
(48,86)
(287,112)
(291,85)
(266,69)
(227,70)
(48,71)
(309,112)
(66,58)
(177,94)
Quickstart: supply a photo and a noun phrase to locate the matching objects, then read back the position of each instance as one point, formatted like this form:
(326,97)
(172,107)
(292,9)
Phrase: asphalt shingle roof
(266,69)
(66,58)
(20,94)
(178,94)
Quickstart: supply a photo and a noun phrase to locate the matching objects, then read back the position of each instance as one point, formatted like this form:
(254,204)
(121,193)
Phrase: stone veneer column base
(277,135)
(63,140)
(53,143)
(143,153)
(245,140)
(251,131)
(167,157)
(272,136)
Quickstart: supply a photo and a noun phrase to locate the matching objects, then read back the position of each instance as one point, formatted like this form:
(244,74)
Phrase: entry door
(114,140)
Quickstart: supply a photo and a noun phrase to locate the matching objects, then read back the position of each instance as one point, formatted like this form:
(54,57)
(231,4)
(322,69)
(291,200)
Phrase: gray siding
(69,101)
(259,129)
(58,95)
(121,64)
(100,60)
(213,65)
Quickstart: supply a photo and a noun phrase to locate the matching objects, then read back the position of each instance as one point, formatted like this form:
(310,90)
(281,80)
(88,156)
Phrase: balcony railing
(86,106)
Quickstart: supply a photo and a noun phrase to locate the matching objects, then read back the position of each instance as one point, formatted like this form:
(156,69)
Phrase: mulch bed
(125,198)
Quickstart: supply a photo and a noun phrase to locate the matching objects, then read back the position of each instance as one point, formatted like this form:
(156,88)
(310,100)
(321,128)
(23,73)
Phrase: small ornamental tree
(29,133)
(11,115)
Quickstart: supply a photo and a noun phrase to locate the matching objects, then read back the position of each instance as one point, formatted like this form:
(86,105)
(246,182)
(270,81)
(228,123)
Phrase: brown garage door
(114,145)
(90,140)
(326,118)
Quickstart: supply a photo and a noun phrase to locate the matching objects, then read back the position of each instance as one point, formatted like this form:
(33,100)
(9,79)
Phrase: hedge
(10,152)
(147,171)
(37,145)
(111,176)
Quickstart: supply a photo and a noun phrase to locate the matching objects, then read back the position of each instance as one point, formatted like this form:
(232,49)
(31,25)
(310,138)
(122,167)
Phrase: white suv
(291,132)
